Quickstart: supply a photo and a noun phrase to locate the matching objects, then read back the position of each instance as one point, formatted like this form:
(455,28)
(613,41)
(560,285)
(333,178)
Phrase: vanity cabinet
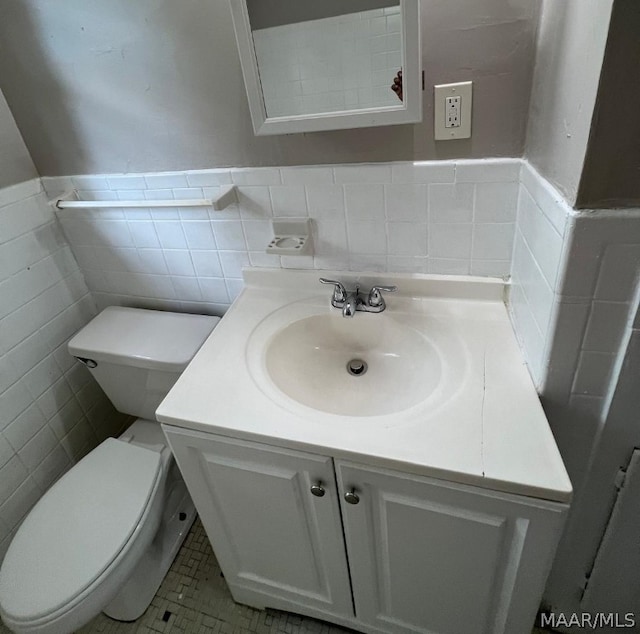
(368,548)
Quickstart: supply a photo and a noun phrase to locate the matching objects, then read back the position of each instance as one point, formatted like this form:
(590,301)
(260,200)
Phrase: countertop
(490,431)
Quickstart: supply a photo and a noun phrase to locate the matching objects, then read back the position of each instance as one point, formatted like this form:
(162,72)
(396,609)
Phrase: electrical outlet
(452,112)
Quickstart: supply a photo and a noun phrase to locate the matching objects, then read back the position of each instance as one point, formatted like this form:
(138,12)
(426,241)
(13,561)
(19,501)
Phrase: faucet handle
(339,291)
(375,294)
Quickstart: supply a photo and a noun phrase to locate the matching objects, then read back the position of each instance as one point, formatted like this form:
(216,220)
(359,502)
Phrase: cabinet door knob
(317,489)
(351,497)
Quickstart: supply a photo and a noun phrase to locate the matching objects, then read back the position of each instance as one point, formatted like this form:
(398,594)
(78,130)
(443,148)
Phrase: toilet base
(178,516)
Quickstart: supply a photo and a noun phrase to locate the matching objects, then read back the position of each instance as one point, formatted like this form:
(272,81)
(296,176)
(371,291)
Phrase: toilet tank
(137,355)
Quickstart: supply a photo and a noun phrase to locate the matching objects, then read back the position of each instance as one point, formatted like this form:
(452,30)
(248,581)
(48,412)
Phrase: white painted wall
(15,162)
(570,48)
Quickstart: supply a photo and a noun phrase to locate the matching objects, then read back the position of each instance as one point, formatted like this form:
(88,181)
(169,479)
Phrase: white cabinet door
(432,557)
(276,542)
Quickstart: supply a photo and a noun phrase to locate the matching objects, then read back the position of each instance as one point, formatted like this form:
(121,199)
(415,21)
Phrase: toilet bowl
(103,537)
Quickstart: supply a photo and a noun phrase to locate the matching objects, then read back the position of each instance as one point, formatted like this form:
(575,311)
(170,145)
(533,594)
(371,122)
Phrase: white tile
(491,268)
(20,503)
(368,173)
(423,172)
(288,201)
(258,234)
(451,241)
(538,293)
(98,195)
(42,376)
(563,347)
(152,261)
(549,199)
(492,241)
(531,339)
(199,235)
(144,234)
(13,402)
(254,202)
(496,202)
(229,235)
(367,238)
(451,203)
(593,373)
(232,263)
(407,264)
(619,271)
(206,263)
(407,239)
(257,176)
(406,202)
(261,259)
(606,326)
(330,239)
(114,233)
(186,288)
(234,288)
(368,263)
(51,468)
(125,182)
(541,238)
(365,202)
(170,234)
(6,451)
(332,262)
(488,170)
(307,175)
(89,182)
(325,202)
(209,178)
(165,181)
(214,290)
(448,266)
(38,448)
(12,474)
(54,398)
(179,262)
(188,193)
(297,262)
(194,213)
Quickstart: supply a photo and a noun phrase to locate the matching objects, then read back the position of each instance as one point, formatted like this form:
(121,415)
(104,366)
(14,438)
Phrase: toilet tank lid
(151,339)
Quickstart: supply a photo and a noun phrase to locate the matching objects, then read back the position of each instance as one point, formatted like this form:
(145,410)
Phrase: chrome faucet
(351,302)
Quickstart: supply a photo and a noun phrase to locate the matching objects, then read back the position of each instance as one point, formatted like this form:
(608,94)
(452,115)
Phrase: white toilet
(103,537)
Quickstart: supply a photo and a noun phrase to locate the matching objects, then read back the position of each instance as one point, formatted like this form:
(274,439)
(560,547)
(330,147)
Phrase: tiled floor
(194,598)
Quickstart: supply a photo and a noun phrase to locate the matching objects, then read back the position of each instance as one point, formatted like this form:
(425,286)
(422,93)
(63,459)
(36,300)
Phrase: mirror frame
(409,112)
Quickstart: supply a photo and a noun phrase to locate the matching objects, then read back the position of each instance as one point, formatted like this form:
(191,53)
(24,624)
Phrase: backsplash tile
(412,217)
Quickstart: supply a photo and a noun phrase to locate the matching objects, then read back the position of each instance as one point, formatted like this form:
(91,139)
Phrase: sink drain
(357,367)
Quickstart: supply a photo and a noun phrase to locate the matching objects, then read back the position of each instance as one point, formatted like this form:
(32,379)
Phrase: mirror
(328,65)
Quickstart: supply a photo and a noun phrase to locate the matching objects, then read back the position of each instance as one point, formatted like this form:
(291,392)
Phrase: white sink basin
(367,365)
(363,366)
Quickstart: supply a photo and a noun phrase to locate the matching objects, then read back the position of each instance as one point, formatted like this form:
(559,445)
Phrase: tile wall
(574,284)
(340,63)
(433,217)
(542,224)
(51,410)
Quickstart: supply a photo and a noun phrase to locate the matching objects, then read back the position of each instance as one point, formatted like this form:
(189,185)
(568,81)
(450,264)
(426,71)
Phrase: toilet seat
(97,508)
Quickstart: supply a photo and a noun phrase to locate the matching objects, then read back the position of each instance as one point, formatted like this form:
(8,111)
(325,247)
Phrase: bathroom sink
(364,366)
(444,392)
(368,365)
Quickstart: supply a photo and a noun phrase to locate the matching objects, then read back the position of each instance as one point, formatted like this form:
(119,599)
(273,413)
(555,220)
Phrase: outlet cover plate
(464,90)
